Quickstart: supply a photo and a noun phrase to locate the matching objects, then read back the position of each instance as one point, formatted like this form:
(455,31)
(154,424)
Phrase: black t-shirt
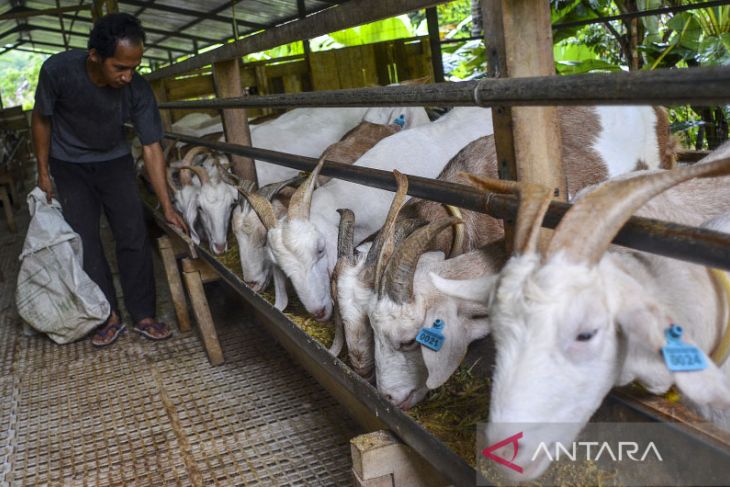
(87,120)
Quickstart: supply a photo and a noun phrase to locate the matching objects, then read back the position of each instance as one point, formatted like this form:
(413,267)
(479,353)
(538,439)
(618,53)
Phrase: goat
(309,131)
(575,320)
(303,244)
(215,200)
(250,231)
(185,194)
(588,158)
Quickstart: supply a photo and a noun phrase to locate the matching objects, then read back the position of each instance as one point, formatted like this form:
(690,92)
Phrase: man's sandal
(154,330)
(107,334)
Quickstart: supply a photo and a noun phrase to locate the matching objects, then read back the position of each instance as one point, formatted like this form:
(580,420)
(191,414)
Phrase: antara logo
(514,439)
(592,450)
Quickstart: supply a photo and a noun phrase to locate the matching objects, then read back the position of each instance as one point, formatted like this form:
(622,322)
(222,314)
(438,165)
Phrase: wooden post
(434,38)
(519,43)
(379,459)
(227,81)
(301,8)
(169,262)
(160,91)
(194,283)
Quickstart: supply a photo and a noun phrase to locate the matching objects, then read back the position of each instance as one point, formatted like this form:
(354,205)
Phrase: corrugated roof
(174,27)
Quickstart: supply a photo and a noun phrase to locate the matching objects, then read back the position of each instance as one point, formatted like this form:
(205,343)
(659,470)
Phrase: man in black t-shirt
(82,101)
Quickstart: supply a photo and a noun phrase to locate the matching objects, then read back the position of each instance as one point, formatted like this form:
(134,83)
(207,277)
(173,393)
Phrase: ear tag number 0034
(680,356)
(432,337)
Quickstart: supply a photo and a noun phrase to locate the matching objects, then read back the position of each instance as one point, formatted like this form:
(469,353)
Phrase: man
(81,103)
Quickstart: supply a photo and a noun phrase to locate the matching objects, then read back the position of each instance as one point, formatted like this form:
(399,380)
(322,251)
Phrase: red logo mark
(487,452)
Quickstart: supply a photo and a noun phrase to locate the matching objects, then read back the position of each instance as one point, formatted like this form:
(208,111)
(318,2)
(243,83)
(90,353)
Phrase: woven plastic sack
(54,295)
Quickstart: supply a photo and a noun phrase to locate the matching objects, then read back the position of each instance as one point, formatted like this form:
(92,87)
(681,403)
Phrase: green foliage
(399,27)
(19,77)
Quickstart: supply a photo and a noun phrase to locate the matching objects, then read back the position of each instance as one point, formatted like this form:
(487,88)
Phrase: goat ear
(708,387)
(442,364)
(470,289)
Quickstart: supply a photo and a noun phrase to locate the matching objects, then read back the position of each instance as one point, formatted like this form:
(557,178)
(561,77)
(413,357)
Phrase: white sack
(54,295)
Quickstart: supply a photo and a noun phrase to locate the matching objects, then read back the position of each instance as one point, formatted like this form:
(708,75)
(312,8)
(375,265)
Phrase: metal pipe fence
(700,246)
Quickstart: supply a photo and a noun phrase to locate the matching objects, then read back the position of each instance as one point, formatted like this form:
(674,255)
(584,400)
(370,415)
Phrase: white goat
(250,231)
(587,158)
(571,323)
(303,244)
(215,199)
(249,227)
(309,131)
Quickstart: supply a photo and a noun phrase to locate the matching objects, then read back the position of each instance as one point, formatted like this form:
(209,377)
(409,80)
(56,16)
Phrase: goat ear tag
(432,337)
(681,356)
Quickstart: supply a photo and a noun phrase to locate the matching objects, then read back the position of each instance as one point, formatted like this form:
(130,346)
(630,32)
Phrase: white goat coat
(421,151)
(309,131)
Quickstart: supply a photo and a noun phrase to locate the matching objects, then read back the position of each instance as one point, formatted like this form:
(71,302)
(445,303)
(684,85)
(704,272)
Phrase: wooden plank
(160,90)
(343,58)
(324,71)
(169,263)
(520,39)
(190,87)
(227,80)
(207,274)
(202,315)
(292,83)
(348,14)
(380,459)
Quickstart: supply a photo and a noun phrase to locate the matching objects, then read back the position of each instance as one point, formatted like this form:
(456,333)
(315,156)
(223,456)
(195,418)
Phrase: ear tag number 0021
(432,337)
(680,356)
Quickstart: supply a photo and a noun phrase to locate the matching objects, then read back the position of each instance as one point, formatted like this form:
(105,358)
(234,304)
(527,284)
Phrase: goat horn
(587,229)
(301,200)
(457,243)
(247,186)
(190,155)
(404,228)
(534,202)
(397,280)
(261,206)
(271,190)
(346,235)
(383,246)
(199,171)
(226,176)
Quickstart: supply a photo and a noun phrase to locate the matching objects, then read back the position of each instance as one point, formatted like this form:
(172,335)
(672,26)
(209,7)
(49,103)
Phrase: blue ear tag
(432,337)
(400,121)
(680,356)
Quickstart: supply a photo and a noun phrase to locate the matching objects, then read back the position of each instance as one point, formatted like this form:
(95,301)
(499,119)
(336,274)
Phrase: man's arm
(154,161)
(41,129)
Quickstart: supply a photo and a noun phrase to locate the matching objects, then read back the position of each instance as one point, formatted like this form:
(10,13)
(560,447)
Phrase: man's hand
(173,218)
(44,182)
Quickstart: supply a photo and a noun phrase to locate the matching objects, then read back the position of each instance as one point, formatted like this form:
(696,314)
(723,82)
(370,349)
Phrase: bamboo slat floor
(156,413)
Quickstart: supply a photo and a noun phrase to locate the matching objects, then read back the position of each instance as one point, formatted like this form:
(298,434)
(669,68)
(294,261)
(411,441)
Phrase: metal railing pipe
(698,86)
(700,246)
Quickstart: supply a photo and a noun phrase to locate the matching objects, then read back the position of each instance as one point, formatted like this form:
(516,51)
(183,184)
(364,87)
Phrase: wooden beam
(434,40)
(160,91)
(24,13)
(349,14)
(519,40)
(227,81)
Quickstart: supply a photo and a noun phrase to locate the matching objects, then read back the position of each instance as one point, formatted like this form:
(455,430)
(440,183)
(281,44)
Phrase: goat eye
(408,346)
(585,336)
